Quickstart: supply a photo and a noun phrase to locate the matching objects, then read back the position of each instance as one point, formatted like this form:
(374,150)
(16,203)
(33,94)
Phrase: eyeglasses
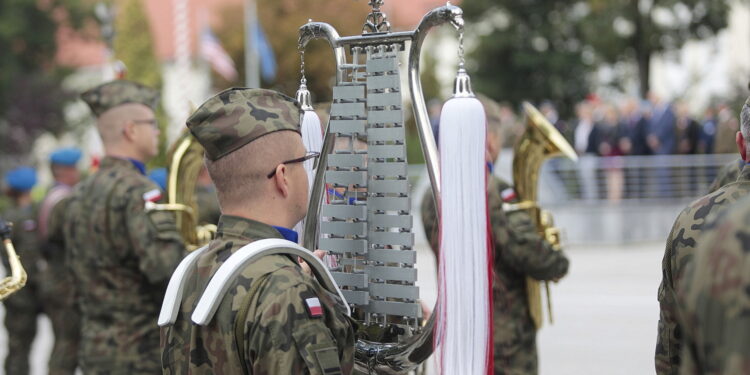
(308,156)
(153,122)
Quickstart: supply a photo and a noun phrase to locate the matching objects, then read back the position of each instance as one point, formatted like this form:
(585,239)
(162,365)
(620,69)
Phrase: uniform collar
(111,161)
(289,234)
(240,227)
(744,174)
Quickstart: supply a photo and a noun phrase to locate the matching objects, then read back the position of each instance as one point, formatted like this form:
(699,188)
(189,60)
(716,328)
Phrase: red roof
(76,50)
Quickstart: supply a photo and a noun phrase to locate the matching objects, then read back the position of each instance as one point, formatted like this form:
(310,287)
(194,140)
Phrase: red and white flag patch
(313,307)
(508,195)
(152,195)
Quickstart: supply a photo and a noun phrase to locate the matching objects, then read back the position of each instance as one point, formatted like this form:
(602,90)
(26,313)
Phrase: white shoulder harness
(222,279)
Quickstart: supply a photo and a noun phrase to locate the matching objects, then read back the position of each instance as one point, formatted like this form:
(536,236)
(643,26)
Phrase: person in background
(23,306)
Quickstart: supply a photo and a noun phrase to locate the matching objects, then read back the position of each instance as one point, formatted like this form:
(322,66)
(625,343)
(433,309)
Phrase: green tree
(31,97)
(636,30)
(527,50)
(281,20)
(134,46)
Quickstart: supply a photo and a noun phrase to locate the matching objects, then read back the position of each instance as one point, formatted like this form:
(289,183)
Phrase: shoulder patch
(314,309)
(508,195)
(152,195)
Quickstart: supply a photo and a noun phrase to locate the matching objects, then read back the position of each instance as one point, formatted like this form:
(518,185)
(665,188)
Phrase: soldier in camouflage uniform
(253,154)
(121,255)
(713,299)
(728,173)
(519,251)
(681,244)
(23,306)
(56,285)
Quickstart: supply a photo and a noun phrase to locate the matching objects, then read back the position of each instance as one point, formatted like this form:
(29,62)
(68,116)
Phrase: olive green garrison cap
(238,116)
(115,93)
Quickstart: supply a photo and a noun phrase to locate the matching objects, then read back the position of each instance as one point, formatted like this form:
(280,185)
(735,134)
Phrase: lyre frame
(403,356)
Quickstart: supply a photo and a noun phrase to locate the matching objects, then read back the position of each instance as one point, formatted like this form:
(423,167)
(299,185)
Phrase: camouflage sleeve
(667,358)
(520,246)
(154,236)
(55,222)
(288,338)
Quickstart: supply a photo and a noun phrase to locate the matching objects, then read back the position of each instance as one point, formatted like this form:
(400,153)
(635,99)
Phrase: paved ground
(605,311)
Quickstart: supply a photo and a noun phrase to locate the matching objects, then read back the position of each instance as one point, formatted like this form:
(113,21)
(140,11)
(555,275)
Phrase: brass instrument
(17,279)
(186,161)
(540,141)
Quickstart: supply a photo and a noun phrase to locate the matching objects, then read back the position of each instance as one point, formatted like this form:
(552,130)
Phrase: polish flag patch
(152,195)
(508,195)
(313,307)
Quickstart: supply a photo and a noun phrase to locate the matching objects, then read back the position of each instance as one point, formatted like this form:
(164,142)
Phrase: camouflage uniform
(120,254)
(681,244)
(728,173)
(279,335)
(519,252)
(713,299)
(23,306)
(56,283)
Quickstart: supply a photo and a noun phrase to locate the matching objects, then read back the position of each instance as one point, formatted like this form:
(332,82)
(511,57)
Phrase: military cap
(21,178)
(65,156)
(238,116)
(115,93)
(159,175)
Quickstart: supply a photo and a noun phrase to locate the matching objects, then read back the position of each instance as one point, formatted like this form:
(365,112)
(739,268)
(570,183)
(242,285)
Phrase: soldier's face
(299,181)
(146,132)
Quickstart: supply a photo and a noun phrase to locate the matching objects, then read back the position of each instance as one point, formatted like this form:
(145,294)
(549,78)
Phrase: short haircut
(240,176)
(112,122)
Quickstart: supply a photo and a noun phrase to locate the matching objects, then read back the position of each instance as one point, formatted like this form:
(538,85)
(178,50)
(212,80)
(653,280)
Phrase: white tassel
(464,325)
(312,138)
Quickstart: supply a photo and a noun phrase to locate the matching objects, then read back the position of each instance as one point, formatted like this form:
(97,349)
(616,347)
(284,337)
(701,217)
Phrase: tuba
(540,141)
(17,279)
(366,225)
(185,162)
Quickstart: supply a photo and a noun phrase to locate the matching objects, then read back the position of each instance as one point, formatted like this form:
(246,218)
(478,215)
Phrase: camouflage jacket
(279,335)
(122,257)
(25,239)
(713,299)
(728,173)
(519,252)
(681,244)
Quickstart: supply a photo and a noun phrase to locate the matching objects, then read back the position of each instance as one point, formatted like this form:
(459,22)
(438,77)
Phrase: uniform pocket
(321,358)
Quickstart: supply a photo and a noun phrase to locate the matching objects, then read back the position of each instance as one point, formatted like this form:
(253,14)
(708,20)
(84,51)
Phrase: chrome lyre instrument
(366,221)
(185,162)
(540,141)
(17,278)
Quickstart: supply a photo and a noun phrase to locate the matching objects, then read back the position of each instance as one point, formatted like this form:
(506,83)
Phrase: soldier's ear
(128,130)
(281,180)
(741,145)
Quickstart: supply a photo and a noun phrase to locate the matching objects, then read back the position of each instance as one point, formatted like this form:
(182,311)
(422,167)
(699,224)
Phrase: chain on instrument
(366,223)
(17,279)
(539,142)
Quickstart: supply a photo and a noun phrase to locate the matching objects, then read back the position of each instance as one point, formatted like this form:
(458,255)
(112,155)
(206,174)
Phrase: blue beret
(159,175)
(65,156)
(21,178)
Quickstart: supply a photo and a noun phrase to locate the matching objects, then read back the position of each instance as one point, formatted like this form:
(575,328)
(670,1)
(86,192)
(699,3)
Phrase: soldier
(728,173)
(56,286)
(682,242)
(713,297)
(519,251)
(22,307)
(291,325)
(121,254)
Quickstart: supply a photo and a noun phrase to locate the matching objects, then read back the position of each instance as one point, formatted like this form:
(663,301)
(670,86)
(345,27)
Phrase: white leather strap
(170,306)
(232,267)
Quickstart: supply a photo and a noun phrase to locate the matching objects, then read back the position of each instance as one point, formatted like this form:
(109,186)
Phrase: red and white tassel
(312,138)
(464,325)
